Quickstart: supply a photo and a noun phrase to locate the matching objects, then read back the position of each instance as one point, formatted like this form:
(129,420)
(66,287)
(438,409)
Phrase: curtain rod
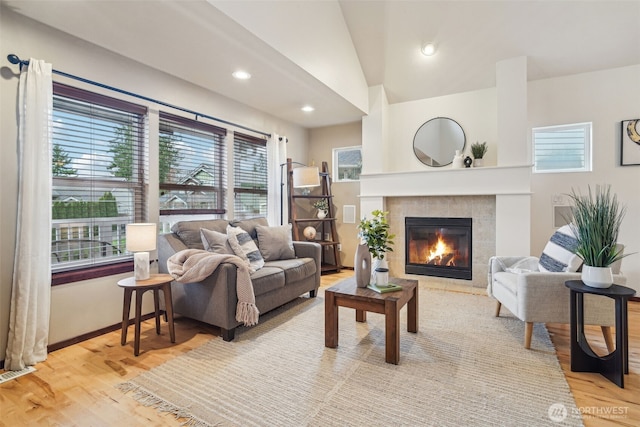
(14,59)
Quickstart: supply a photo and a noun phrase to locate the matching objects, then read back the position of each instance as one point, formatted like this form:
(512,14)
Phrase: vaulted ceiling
(326,53)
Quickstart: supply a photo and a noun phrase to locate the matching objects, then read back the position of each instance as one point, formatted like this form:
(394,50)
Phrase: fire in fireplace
(438,247)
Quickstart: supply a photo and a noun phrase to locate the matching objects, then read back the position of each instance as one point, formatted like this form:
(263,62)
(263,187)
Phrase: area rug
(464,367)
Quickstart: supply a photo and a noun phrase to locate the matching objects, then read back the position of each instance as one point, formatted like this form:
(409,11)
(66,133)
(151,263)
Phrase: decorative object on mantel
(630,142)
(596,220)
(309,232)
(458,161)
(362,266)
(322,207)
(375,234)
(436,141)
(467,162)
(478,151)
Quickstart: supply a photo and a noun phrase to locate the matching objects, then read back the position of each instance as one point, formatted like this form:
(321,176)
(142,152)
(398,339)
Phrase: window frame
(336,163)
(587,146)
(241,138)
(124,263)
(220,190)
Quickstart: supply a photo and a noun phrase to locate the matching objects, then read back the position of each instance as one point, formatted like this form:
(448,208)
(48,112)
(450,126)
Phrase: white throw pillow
(244,247)
(559,255)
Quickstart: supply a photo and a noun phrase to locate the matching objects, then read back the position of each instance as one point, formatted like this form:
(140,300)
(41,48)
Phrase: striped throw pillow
(244,247)
(559,255)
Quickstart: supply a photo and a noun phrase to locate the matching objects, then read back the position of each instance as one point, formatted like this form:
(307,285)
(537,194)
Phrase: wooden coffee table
(347,294)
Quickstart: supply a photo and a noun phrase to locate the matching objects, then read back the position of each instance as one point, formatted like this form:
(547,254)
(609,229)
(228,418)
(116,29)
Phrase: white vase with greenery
(596,220)
(375,234)
(478,150)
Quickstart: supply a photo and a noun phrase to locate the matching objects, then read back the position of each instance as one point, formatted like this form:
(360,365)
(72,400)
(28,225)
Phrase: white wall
(604,98)
(83,307)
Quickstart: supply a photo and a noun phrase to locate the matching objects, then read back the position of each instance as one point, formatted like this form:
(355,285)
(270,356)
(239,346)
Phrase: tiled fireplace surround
(498,199)
(482,210)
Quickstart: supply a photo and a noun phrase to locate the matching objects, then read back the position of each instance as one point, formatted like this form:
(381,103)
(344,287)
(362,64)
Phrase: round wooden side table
(155,283)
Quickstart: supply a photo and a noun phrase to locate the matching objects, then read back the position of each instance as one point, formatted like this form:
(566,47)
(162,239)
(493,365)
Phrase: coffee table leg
(361,316)
(330,320)
(412,312)
(391,332)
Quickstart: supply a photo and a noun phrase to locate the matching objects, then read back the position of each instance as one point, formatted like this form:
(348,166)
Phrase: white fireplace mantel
(448,182)
(511,185)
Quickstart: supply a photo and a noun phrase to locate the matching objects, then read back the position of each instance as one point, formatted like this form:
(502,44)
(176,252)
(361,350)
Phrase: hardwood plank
(75,386)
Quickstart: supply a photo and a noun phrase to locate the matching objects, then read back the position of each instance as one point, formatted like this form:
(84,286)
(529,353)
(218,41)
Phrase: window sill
(63,277)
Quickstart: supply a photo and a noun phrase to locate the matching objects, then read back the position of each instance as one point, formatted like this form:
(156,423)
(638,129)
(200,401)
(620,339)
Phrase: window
(565,148)
(192,162)
(347,164)
(250,176)
(98,167)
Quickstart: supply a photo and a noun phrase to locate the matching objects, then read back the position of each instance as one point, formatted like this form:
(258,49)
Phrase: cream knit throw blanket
(194,265)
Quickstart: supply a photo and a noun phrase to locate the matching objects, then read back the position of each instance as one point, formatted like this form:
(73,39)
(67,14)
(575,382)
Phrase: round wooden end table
(155,283)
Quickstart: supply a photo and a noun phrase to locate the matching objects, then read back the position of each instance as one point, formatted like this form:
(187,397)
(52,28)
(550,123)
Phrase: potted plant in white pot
(478,151)
(322,205)
(596,220)
(375,234)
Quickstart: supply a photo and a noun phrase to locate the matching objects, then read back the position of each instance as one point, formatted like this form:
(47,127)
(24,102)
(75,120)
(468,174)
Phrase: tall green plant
(596,221)
(375,233)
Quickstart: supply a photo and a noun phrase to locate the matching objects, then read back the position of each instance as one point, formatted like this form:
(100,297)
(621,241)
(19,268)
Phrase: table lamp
(306,177)
(141,238)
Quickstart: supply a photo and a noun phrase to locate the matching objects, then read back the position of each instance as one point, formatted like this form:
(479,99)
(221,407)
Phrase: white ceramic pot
(597,277)
(322,214)
(378,263)
(478,163)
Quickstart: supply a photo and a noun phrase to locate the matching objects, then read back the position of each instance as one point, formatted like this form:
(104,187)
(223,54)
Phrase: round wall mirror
(437,140)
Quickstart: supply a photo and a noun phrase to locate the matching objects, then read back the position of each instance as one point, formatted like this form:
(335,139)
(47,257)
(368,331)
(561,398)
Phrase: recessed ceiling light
(241,75)
(428,49)
(307,108)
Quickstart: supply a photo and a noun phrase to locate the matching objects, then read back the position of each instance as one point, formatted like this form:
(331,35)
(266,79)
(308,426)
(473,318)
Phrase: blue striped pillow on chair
(559,255)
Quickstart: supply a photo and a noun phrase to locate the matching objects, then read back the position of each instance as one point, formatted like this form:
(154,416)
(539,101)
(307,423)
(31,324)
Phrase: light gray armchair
(536,296)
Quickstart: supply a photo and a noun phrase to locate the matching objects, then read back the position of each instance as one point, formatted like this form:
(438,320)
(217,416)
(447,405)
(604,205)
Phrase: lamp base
(141,265)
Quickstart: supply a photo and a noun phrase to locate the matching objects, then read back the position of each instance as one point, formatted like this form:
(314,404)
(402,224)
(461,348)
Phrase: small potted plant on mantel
(478,150)
(596,220)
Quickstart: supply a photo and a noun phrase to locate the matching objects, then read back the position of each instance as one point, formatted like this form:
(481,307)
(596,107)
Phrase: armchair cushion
(559,255)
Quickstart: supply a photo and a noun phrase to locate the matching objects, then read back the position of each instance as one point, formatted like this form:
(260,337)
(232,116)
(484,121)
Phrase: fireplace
(438,247)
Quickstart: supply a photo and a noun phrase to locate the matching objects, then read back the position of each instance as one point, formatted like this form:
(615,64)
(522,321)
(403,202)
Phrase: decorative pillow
(244,247)
(215,242)
(189,231)
(249,225)
(275,242)
(559,255)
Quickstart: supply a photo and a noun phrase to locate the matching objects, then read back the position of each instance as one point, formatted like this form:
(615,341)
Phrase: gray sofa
(214,299)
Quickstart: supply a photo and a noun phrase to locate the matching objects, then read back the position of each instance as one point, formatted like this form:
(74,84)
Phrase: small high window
(347,164)
(564,148)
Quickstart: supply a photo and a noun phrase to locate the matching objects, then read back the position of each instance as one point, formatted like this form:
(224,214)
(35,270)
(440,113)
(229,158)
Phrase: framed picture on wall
(630,146)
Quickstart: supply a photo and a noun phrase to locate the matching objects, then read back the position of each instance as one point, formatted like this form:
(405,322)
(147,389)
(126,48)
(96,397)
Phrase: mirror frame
(450,158)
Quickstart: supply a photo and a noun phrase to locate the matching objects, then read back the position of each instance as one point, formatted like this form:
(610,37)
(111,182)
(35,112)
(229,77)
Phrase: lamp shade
(141,237)
(305,177)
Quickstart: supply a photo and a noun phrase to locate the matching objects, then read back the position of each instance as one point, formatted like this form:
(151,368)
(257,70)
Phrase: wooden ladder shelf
(302,215)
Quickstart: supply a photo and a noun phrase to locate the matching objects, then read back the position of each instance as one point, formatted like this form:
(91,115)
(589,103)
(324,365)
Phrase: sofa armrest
(168,244)
(310,250)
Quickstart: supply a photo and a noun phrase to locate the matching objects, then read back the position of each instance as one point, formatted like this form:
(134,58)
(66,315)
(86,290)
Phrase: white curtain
(276,155)
(31,290)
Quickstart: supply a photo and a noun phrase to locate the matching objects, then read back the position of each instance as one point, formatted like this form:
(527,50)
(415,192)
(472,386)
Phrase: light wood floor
(76,385)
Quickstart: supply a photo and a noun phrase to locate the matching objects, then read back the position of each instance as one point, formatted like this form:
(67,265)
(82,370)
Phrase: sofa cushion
(189,231)
(295,269)
(215,242)
(275,242)
(267,279)
(249,225)
(559,254)
(244,247)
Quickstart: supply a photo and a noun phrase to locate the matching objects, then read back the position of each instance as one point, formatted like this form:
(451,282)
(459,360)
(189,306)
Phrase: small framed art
(630,142)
